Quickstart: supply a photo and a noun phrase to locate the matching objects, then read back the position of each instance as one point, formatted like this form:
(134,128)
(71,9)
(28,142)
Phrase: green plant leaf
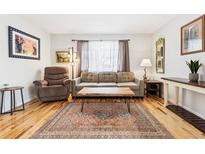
(189,65)
(194,65)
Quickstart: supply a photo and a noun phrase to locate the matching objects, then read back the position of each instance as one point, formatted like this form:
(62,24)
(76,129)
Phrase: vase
(193,77)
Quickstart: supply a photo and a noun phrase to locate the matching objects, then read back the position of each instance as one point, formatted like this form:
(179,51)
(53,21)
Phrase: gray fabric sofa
(109,79)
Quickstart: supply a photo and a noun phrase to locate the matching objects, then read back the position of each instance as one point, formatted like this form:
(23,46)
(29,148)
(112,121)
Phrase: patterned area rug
(102,120)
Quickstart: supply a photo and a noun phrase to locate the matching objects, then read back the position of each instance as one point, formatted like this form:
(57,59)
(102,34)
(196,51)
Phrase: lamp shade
(146,63)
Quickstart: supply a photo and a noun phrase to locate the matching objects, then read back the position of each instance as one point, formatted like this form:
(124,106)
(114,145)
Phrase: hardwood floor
(24,123)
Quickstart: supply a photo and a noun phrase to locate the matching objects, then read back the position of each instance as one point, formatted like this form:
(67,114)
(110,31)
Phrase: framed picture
(160,55)
(192,36)
(63,56)
(23,45)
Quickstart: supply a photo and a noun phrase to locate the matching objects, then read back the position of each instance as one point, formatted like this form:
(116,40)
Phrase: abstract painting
(23,45)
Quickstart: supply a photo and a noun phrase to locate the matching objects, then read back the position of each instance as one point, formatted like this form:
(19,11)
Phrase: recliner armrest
(40,83)
(66,82)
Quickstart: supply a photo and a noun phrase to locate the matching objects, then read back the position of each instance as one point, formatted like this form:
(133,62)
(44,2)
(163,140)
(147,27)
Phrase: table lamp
(145,63)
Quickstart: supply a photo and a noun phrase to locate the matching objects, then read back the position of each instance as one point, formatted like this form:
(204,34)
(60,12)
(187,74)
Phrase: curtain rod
(102,40)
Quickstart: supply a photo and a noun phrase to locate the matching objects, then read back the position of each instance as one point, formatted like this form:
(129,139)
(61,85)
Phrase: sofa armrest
(66,82)
(141,86)
(40,83)
(77,81)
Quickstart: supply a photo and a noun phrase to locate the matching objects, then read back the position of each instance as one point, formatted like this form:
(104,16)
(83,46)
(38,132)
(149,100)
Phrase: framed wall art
(23,45)
(63,56)
(192,36)
(160,55)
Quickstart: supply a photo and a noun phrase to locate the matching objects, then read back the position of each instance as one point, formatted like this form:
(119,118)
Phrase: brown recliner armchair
(55,86)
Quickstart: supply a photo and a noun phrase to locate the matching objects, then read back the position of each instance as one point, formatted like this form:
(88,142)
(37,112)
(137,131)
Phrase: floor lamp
(72,71)
(72,63)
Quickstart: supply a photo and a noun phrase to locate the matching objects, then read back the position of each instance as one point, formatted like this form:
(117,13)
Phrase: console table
(180,84)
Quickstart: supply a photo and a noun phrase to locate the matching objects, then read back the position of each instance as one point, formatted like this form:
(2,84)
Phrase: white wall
(21,72)
(139,45)
(175,65)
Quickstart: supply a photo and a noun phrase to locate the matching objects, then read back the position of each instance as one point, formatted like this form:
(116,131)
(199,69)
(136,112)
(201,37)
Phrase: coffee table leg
(14,99)
(11,102)
(128,105)
(2,101)
(82,106)
(22,99)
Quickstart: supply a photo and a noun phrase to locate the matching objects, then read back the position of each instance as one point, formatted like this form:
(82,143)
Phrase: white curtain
(103,56)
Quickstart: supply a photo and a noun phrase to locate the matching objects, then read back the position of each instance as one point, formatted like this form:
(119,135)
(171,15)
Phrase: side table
(153,86)
(12,91)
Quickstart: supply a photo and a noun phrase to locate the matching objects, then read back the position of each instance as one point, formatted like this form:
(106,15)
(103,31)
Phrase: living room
(102,76)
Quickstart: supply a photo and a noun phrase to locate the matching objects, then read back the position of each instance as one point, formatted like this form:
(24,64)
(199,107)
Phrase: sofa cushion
(88,84)
(131,85)
(107,84)
(55,82)
(125,77)
(52,91)
(89,77)
(107,77)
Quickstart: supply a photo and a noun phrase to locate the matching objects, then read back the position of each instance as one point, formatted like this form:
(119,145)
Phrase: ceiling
(99,23)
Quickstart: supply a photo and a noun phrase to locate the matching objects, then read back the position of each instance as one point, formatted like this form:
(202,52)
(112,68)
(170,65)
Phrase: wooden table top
(105,91)
(153,81)
(186,81)
(11,88)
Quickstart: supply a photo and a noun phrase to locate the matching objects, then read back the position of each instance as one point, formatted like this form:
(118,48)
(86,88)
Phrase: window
(103,56)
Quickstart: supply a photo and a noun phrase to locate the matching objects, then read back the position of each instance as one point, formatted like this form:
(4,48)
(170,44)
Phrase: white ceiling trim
(100,24)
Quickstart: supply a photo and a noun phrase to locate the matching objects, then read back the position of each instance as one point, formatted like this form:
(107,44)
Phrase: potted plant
(194,67)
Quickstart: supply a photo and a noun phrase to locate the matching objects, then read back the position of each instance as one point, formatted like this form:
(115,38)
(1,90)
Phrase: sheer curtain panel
(103,56)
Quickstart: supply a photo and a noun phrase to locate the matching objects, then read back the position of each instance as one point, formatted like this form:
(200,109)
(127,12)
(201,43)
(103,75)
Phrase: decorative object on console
(5,85)
(194,67)
(145,63)
(160,55)
(23,45)
(63,56)
(192,36)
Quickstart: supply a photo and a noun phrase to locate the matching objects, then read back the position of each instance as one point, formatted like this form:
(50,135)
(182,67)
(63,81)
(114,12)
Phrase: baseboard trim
(26,103)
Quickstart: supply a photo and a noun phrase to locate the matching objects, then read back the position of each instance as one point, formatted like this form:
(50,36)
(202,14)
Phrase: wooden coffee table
(125,94)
